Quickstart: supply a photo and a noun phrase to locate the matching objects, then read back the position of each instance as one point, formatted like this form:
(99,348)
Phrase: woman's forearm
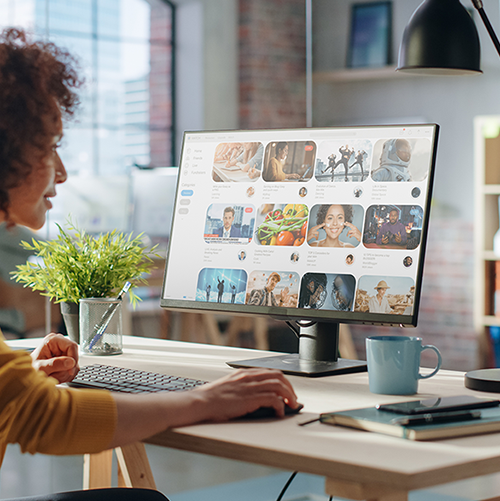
(141,416)
(243,391)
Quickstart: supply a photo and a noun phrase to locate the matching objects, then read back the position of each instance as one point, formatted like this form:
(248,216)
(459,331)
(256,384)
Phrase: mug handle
(434,372)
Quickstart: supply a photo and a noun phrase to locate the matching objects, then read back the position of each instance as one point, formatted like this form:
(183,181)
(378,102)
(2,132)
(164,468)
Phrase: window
(125,52)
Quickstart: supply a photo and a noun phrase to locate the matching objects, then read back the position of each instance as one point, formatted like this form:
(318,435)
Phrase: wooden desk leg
(367,492)
(236,325)
(166,325)
(187,325)
(97,470)
(212,328)
(133,467)
(260,333)
(346,344)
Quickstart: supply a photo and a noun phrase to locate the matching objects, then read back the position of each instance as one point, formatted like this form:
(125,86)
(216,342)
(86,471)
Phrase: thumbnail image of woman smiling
(332,219)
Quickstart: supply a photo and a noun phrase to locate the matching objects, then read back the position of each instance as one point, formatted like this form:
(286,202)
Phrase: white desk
(356,464)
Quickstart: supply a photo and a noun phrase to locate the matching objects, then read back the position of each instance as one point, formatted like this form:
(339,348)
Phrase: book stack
(426,427)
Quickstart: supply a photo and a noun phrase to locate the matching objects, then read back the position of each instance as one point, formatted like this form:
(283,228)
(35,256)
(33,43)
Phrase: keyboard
(107,377)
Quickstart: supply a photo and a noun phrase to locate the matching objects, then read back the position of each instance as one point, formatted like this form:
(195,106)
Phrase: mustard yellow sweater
(274,171)
(41,417)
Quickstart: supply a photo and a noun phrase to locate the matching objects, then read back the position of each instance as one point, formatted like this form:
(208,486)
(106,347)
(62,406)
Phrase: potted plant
(78,265)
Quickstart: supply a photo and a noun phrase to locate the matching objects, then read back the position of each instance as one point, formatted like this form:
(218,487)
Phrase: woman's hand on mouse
(245,391)
(241,392)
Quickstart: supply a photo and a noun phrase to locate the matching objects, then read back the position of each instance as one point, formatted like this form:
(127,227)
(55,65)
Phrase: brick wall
(272,62)
(160,104)
(445,318)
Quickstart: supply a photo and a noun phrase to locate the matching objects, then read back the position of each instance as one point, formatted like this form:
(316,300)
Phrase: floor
(182,476)
(185,476)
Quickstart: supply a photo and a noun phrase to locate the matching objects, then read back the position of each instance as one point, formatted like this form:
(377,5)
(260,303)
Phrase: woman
(274,169)
(379,303)
(37,89)
(313,290)
(332,219)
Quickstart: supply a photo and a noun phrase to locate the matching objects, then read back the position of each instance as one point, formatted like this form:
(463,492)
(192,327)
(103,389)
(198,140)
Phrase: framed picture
(371,35)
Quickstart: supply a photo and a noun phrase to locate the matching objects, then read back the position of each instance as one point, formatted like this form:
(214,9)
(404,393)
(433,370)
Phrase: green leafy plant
(78,265)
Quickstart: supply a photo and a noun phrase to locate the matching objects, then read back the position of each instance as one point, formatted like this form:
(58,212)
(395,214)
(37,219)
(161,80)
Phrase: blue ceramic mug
(394,363)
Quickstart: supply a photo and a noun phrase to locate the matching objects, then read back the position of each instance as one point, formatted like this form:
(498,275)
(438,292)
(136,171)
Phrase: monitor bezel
(328,316)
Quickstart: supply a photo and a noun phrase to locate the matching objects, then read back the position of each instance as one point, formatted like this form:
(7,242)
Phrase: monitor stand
(318,354)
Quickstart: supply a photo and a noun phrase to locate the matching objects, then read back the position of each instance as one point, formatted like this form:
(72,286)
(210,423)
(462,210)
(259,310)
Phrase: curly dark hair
(37,82)
(323,210)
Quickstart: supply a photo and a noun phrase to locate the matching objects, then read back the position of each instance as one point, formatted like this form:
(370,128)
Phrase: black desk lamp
(441,39)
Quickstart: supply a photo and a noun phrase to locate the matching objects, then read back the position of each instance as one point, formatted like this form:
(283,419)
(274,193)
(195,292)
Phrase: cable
(285,487)
(295,326)
(289,481)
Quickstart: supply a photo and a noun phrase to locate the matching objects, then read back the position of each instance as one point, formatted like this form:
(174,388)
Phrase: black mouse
(269,412)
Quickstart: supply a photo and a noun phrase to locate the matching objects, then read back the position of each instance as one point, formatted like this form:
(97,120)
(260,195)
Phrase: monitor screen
(320,224)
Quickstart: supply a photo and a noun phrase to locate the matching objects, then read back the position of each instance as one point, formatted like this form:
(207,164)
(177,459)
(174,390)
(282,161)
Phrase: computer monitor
(316,226)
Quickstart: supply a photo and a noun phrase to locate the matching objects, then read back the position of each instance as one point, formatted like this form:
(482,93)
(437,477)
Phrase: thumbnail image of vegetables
(284,226)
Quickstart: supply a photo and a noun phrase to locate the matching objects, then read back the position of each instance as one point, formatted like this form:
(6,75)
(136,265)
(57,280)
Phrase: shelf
(382,73)
(491,320)
(487,192)
(491,189)
(490,256)
(358,74)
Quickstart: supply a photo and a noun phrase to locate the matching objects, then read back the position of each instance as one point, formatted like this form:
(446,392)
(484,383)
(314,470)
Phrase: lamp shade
(441,38)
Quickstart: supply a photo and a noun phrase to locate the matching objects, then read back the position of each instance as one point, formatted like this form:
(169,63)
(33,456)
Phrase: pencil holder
(101,326)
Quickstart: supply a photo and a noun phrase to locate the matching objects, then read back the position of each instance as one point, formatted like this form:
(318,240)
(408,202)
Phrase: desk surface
(340,454)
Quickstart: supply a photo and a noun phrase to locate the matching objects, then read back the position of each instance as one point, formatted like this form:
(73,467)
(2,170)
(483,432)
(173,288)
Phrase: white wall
(190,76)
(452,102)
(221,64)
(207,65)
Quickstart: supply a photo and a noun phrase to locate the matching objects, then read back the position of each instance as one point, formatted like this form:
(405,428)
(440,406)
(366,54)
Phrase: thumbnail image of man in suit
(227,230)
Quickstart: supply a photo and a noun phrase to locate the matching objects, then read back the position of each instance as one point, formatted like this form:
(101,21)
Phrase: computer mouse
(269,412)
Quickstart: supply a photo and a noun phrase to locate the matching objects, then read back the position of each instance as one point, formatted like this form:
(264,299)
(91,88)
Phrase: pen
(437,417)
(106,318)
(304,423)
